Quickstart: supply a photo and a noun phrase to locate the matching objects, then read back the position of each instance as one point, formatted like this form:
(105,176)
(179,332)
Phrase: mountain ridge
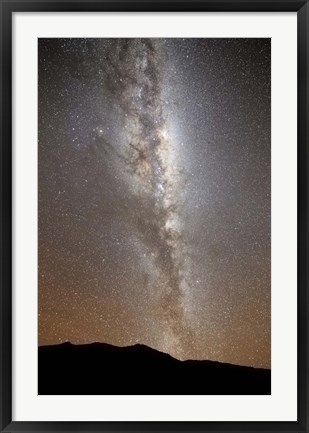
(101,368)
(146,347)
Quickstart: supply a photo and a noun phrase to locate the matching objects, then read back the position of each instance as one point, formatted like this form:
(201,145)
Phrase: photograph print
(154,216)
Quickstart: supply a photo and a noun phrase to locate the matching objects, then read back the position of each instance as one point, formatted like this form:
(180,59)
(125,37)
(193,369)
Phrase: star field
(154,195)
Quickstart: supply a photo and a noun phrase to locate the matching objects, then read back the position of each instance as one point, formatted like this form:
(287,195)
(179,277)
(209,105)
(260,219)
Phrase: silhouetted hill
(104,369)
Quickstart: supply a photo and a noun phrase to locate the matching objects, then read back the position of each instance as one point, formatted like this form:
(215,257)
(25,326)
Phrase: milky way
(154,195)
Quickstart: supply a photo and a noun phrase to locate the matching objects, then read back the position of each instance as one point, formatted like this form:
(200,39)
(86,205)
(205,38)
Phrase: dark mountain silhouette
(105,369)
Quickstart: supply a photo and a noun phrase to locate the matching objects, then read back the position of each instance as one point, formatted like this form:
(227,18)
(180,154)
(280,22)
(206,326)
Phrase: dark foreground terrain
(104,369)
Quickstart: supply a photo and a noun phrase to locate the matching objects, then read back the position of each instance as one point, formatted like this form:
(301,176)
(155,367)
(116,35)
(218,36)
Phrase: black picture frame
(7,9)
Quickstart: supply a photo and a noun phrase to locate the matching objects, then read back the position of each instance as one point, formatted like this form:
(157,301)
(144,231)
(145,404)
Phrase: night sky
(154,195)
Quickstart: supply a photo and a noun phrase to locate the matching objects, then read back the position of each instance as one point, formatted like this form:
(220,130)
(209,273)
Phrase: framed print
(154,216)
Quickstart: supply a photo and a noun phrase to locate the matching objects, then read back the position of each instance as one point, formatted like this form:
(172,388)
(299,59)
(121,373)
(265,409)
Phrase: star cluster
(154,195)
